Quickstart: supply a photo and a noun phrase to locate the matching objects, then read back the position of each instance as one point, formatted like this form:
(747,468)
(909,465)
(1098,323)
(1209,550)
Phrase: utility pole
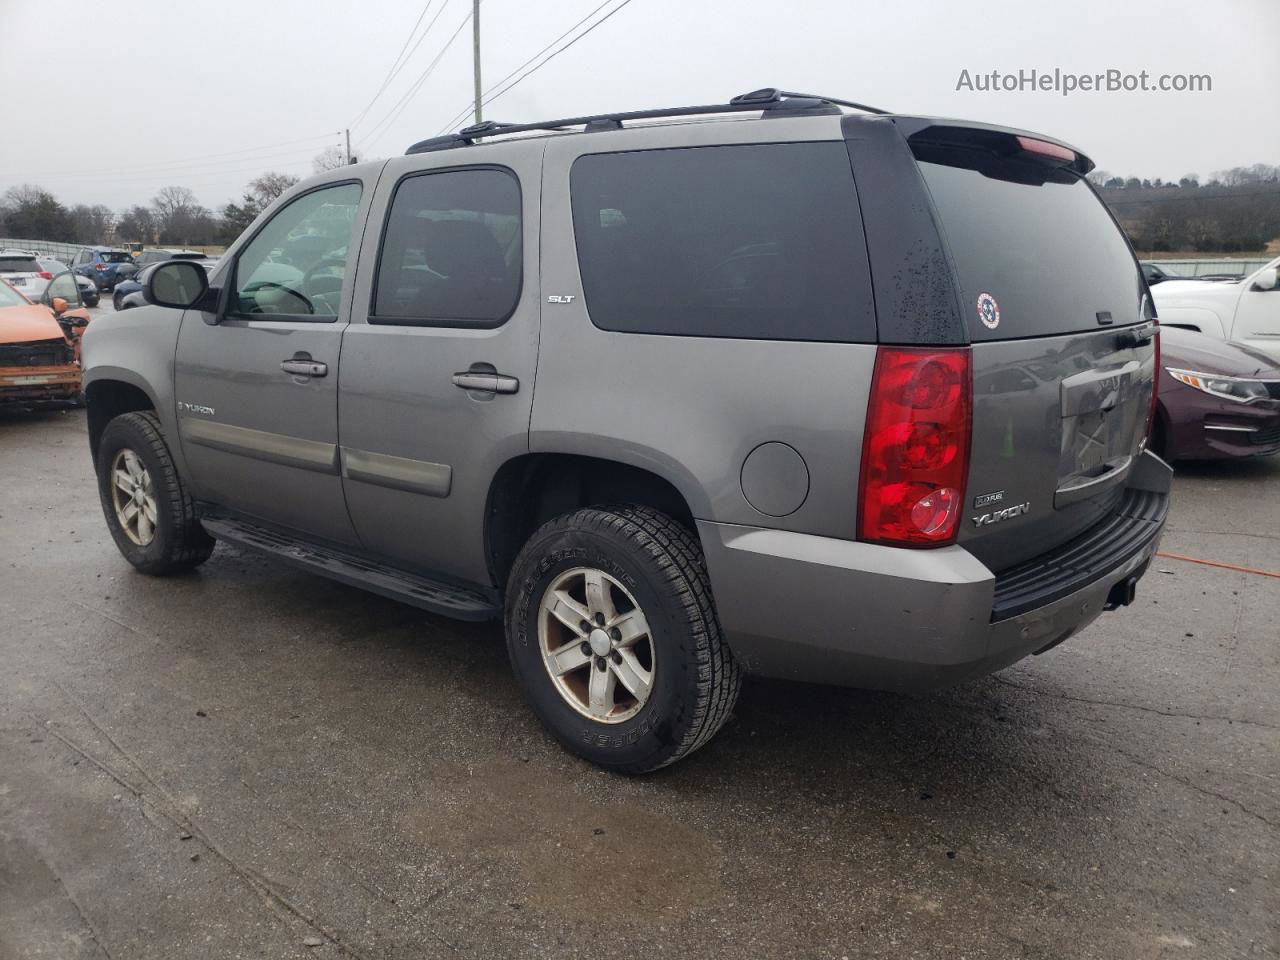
(475,50)
(348,134)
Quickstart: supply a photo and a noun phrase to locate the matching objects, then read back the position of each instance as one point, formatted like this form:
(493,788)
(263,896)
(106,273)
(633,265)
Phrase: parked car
(88,289)
(1157,274)
(22,269)
(780,425)
(104,265)
(1217,399)
(1245,310)
(128,293)
(159,255)
(40,343)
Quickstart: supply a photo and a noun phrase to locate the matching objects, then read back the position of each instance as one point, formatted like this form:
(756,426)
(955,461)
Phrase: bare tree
(270,185)
(330,158)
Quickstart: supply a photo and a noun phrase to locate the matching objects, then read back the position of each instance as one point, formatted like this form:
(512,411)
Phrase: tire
(171,541)
(650,561)
(116,300)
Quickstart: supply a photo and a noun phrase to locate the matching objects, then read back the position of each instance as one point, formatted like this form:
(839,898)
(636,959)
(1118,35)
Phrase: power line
(483,100)
(557,53)
(199,169)
(404,101)
(402,60)
(197,160)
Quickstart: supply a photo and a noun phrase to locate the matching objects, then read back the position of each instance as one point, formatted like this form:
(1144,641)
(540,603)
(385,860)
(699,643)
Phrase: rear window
(1036,251)
(117,256)
(761,241)
(19,265)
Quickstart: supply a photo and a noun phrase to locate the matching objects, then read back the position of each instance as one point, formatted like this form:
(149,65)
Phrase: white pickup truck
(1245,310)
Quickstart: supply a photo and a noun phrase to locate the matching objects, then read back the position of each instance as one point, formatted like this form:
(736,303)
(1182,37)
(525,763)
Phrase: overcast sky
(108,102)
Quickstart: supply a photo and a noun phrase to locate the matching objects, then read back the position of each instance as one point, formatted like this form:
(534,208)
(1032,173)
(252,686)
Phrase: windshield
(1035,250)
(10,297)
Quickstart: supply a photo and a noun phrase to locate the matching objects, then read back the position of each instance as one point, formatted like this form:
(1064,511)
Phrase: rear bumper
(801,607)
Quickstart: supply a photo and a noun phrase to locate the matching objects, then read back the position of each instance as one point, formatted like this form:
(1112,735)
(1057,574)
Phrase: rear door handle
(486,382)
(304,368)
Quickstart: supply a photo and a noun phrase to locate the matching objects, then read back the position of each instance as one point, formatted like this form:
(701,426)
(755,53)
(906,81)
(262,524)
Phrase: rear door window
(1036,251)
(451,250)
(762,241)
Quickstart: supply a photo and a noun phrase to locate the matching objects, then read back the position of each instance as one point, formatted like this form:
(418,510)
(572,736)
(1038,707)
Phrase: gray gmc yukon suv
(785,386)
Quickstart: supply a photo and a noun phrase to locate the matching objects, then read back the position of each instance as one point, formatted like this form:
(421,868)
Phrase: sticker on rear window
(988,311)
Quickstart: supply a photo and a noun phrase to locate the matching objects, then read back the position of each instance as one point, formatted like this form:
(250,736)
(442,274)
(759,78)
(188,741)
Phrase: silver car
(778,386)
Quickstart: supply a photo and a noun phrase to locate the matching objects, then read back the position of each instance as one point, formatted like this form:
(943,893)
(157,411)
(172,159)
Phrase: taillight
(1046,149)
(915,451)
(45,275)
(99,266)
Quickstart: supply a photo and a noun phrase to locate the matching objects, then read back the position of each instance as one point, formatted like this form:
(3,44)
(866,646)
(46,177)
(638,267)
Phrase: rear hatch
(23,272)
(1063,346)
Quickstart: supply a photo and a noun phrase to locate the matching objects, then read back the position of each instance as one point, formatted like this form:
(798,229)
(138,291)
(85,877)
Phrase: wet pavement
(249,761)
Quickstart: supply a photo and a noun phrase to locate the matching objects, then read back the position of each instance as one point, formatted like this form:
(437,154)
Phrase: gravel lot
(253,762)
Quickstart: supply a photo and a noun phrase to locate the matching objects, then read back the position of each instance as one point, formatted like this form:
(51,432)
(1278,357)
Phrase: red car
(1217,399)
(40,344)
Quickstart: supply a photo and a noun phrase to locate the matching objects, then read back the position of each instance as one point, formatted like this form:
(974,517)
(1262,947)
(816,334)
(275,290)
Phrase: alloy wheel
(133,496)
(596,645)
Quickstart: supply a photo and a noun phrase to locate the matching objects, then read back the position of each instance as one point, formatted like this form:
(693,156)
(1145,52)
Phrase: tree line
(174,216)
(1233,211)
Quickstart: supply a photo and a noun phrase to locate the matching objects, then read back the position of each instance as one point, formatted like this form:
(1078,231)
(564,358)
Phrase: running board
(437,596)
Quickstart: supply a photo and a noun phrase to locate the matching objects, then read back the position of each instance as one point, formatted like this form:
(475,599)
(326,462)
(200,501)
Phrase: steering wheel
(264,284)
(316,267)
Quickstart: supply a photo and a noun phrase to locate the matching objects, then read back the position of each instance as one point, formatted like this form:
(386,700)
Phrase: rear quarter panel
(692,409)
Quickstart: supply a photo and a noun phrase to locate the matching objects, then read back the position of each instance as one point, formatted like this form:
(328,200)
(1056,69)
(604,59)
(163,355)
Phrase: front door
(256,383)
(439,359)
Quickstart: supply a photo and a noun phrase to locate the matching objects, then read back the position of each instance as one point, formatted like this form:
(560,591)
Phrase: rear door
(1063,348)
(438,363)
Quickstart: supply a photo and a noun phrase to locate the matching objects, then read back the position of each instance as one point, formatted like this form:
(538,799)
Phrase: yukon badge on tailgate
(1008,513)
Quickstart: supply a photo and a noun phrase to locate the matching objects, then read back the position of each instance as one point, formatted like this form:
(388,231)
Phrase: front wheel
(149,514)
(613,635)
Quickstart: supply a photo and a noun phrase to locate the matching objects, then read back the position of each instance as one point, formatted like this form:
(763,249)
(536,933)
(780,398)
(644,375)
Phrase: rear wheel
(614,637)
(149,514)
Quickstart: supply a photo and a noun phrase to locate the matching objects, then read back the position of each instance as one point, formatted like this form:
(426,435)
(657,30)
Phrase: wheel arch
(109,395)
(532,488)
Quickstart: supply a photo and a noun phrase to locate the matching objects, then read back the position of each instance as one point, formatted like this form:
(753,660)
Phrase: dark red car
(1217,399)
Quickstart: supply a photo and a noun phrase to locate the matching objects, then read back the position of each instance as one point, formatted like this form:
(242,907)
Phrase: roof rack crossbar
(767,98)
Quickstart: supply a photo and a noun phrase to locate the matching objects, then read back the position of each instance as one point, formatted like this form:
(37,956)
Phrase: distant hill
(1215,218)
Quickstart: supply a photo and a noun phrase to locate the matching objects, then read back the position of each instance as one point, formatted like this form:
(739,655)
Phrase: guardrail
(1219,267)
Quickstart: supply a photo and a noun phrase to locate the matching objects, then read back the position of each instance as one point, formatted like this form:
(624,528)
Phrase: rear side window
(762,241)
(451,250)
(1036,251)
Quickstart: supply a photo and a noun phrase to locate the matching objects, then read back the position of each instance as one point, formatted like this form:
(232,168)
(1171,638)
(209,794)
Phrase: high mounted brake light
(1046,149)
(915,450)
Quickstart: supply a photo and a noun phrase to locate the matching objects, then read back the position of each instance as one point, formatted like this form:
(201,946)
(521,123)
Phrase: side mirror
(62,293)
(178,283)
(1266,279)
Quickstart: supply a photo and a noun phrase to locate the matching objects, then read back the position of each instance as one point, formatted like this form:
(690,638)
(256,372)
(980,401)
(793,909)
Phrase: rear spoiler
(1001,141)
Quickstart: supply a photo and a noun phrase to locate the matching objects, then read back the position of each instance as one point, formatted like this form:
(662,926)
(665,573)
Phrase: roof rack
(769,99)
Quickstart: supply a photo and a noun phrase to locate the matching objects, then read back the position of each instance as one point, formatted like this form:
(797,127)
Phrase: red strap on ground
(1214,563)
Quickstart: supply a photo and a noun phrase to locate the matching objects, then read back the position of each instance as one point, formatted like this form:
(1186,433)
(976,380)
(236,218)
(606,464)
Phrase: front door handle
(486,382)
(304,368)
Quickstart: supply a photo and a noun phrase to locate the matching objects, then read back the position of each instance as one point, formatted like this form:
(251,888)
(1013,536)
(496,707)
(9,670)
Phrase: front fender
(1199,318)
(136,348)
